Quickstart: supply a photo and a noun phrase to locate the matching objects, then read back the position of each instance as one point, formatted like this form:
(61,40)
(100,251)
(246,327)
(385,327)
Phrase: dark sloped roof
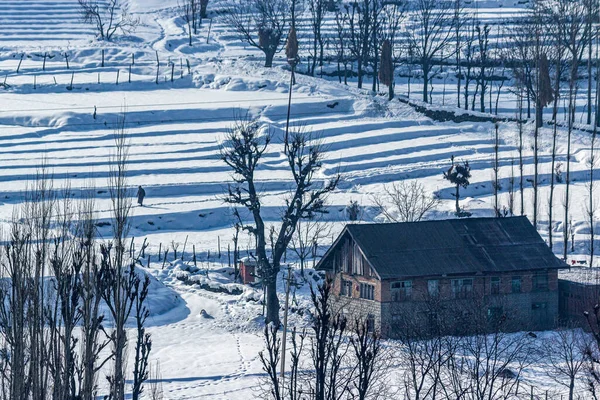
(456,246)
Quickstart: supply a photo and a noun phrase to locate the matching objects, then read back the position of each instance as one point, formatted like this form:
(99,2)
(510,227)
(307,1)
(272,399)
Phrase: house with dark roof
(393,272)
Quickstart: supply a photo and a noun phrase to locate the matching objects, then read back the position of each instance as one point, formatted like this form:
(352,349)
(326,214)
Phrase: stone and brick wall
(529,309)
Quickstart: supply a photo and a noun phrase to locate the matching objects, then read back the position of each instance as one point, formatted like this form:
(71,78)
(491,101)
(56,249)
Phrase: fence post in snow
(98,78)
(157,67)
(209,29)
(129,73)
(165,259)
(118,77)
(34,81)
(194,250)
(132,59)
(219,245)
(187,61)
(67,59)
(70,87)
(184,244)
(44,64)
(172,70)
(159,251)
(20,61)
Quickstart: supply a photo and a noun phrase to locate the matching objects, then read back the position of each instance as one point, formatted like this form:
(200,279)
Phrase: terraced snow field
(65,118)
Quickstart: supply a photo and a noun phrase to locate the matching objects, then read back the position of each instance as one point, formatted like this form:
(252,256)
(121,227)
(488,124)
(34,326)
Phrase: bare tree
(108,17)
(569,22)
(592,206)
(341,43)
(362,22)
(188,11)
(117,270)
(564,353)
(405,202)
(430,35)
(317,10)
(386,70)
(242,151)
(270,358)
(369,355)
(306,239)
(461,19)
(261,24)
(92,343)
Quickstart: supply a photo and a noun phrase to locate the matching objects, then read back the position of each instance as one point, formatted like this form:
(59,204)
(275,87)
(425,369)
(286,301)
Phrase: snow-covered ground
(175,127)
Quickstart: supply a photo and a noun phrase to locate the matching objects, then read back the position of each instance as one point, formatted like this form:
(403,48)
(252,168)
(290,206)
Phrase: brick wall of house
(526,310)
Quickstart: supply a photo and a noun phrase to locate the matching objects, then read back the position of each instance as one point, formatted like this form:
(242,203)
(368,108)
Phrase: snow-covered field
(175,129)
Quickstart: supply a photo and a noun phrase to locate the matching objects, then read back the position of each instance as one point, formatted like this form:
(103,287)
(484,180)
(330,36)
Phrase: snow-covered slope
(175,129)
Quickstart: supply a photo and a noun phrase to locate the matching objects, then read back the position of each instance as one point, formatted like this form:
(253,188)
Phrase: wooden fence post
(209,29)
(102,59)
(20,61)
(157,67)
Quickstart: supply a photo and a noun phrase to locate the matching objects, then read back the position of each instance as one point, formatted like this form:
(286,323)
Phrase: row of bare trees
(66,297)
(459,352)
(333,358)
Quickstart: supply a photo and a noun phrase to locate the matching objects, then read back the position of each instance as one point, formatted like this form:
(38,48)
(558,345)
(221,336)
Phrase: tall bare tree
(430,35)
(245,144)
(261,24)
(108,17)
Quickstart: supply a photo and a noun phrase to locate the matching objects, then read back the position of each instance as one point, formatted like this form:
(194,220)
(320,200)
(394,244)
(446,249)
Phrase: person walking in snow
(141,193)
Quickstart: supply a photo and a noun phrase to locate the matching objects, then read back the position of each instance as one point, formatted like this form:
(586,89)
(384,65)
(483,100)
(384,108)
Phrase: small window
(495,285)
(367,291)
(433,287)
(346,289)
(370,323)
(540,282)
(494,314)
(401,290)
(516,284)
(462,288)
(539,306)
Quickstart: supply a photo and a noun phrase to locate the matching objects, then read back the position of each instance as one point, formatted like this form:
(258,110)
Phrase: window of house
(495,285)
(346,289)
(433,287)
(357,261)
(494,314)
(367,291)
(540,281)
(516,284)
(401,290)
(539,306)
(462,288)
(370,323)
